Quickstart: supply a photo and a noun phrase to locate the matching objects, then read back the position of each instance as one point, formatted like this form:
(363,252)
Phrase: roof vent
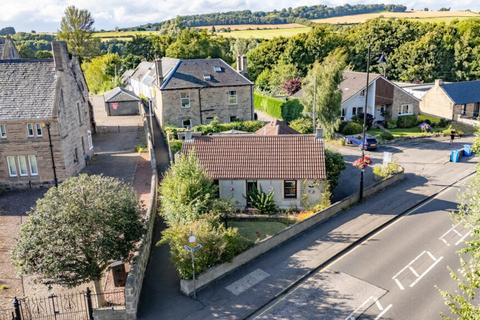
(217,69)
(207,77)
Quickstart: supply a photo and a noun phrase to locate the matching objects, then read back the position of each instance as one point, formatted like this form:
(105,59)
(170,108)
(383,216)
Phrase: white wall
(359,101)
(235,191)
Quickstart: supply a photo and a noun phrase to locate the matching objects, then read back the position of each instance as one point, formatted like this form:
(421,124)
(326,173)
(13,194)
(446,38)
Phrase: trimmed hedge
(287,110)
(407,121)
(352,128)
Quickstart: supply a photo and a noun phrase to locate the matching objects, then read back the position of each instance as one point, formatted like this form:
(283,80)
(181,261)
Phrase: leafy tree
(76,29)
(187,192)
(102,73)
(262,82)
(76,230)
(291,86)
(303,125)
(322,86)
(265,56)
(463,303)
(7,31)
(190,44)
(280,74)
(334,164)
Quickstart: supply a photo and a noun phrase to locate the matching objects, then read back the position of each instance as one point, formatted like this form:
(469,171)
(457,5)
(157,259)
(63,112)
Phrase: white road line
(425,272)
(379,305)
(351,315)
(399,284)
(413,271)
(383,312)
(409,264)
(463,238)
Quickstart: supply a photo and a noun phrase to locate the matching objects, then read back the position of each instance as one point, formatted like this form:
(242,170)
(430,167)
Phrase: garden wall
(186,286)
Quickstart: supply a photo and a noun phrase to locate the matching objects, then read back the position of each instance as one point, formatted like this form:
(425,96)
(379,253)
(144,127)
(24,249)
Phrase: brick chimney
(159,71)
(60,55)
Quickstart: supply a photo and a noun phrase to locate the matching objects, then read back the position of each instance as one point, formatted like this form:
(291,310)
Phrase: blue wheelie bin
(467,150)
(455,156)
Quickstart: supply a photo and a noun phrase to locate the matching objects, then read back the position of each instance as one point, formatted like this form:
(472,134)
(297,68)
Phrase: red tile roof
(275,128)
(260,157)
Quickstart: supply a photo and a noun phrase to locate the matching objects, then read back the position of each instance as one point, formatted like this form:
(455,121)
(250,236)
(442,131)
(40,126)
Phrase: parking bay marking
(353,316)
(455,233)
(418,276)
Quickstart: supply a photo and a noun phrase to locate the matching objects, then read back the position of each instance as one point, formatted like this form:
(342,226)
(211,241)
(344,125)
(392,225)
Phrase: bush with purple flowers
(425,127)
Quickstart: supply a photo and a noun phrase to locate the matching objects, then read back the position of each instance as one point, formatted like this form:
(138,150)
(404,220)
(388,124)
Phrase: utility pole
(365,111)
(314,107)
(51,154)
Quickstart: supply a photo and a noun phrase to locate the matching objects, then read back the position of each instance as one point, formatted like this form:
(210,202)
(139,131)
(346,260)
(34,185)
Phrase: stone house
(121,102)
(290,165)
(189,92)
(386,99)
(8,49)
(458,101)
(41,100)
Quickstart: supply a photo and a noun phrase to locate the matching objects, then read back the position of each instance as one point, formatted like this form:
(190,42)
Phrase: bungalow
(386,100)
(458,101)
(290,165)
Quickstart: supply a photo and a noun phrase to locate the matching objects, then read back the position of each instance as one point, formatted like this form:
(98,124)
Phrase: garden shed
(121,102)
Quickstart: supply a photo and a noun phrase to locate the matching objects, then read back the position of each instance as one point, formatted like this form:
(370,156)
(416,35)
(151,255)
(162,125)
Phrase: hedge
(409,121)
(287,110)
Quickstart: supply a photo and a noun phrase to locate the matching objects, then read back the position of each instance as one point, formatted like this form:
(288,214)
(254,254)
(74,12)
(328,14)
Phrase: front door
(380,113)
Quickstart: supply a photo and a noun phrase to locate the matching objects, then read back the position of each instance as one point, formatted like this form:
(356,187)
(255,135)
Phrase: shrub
(386,135)
(219,244)
(175,146)
(352,128)
(325,200)
(431,120)
(444,123)
(407,121)
(140,148)
(385,171)
(262,201)
(448,131)
(476,142)
(291,110)
(359,119)
(425,127)
(391,124)
(302,125)
(334,164)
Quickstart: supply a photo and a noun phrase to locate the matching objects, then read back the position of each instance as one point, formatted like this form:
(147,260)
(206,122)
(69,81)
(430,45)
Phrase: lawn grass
(265,33)
(413,132)
(257,230)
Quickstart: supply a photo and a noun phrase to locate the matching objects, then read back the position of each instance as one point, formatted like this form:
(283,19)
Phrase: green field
(265,33)
(121,35)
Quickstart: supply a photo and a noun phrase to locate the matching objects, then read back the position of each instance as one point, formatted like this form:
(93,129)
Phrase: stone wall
(205,103)
(186,286)
(401,97)
(436,102)
(109,314)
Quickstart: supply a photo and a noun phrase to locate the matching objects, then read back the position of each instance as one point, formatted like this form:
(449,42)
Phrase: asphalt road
(395,274)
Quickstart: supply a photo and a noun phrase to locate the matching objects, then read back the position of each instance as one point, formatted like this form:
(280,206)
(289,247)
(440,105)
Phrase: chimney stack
(239,63)
(188,135)
(318,133)
(60,55)
(244,65)
(438,82)
(159,71)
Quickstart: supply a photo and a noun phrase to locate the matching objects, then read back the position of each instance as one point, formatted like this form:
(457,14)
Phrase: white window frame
(33,165)
(38,130)
(184,96)
(22,166)
(12,166)
(401,110)
(30,130)
(232,96)
(3,131)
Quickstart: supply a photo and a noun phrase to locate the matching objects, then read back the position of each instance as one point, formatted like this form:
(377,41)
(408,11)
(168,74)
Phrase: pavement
(258,283)
(395,274)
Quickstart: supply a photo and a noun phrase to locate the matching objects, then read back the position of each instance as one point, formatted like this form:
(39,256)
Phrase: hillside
(282,16)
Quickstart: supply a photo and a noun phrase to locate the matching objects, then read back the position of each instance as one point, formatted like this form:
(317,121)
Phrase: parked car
(369,144)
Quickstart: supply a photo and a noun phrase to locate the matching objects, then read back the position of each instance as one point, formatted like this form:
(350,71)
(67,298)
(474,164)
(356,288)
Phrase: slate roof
(280,157)
(463,92)
(276,127)
(190,73)
(8,49)
(119,94)
(27,89)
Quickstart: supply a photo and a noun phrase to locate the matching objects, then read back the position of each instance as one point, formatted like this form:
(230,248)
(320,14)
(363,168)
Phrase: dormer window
(207,77)
(30,132)
(217,69)
(38,129)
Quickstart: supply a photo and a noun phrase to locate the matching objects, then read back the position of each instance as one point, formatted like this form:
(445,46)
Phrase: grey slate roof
(463,92)
(120,94)
(27,89)
(8,49)
(190,73)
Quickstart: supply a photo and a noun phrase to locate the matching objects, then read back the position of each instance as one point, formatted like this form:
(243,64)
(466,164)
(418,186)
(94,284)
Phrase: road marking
(383,312)
(454,230)
(418,276)
(376,302)
(248,281)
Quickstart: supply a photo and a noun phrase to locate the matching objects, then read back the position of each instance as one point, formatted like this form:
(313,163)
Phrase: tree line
(286,15)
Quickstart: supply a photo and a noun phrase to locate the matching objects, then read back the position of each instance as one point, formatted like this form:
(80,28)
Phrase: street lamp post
(365,111)
(193,247)
(55,179)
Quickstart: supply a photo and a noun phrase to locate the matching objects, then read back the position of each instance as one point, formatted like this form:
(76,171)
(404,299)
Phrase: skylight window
(207,77)
(217,69)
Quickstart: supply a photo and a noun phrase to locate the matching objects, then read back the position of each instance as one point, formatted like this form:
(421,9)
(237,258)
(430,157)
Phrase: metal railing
(69,306)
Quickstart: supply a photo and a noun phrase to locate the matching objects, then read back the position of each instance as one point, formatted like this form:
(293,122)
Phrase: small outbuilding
(121,102)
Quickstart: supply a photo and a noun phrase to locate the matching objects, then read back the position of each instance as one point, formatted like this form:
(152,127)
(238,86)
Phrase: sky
(45,15)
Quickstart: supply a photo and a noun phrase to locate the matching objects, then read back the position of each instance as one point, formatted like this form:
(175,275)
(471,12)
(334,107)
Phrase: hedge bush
(407,121)
(385,171)
(287,110)
(334,165)
(352,128)
(302,125)
(386,135)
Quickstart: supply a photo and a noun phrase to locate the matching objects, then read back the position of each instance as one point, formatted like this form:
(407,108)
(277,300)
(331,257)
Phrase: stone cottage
(459,101)
(189,92)
(42,101)
(290,165)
